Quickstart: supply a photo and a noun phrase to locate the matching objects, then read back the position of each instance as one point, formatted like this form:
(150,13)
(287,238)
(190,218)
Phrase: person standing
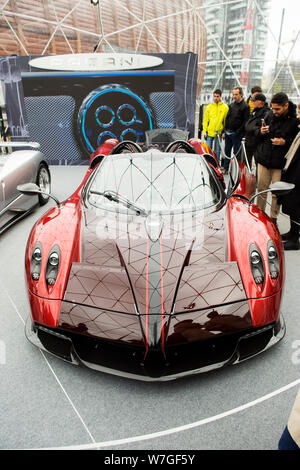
(290,438)
(237,116)
(275,137)
(214,120)
(250,100)
(261,109)
(291,201)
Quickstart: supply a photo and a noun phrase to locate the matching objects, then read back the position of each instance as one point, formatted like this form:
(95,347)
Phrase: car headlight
(273,259)
(257,265)
(36,262)
(52,266)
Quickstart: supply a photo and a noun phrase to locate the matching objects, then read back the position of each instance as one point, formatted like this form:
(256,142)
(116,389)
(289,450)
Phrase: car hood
(150,269)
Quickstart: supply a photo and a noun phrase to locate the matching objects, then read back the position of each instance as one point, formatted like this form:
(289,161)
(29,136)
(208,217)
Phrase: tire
(43,180)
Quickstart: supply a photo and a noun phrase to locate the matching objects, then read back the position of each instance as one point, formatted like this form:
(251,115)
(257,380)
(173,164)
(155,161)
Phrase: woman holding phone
(254,123)
(275,139)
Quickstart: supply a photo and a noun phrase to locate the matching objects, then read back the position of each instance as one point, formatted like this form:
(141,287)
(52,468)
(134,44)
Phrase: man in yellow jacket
(213,121)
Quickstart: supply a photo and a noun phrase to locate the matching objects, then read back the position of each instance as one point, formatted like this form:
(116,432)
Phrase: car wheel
(43,180)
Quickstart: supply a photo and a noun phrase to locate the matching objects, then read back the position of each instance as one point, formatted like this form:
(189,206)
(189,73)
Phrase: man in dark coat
(291,201)
(275,138)
(236,118)
(253,125)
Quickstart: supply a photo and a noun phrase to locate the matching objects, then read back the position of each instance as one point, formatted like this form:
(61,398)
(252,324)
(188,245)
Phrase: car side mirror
(281,188)
(278,188)
(32,189)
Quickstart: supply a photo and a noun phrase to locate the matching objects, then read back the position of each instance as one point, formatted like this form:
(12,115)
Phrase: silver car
(18,167)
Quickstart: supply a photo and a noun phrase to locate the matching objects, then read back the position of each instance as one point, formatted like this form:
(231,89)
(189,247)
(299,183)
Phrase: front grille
(176,360)
(254,344)
(55,343)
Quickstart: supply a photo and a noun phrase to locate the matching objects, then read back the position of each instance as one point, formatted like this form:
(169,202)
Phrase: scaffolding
(75,26)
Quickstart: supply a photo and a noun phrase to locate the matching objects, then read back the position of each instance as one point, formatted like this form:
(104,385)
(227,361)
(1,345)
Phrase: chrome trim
(33,145)
(19,167)
(19,215)
(10,206)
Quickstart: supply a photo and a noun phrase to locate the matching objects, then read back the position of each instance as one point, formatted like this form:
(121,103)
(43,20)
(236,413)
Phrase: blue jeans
(210,141)
(286,441)
(232,141)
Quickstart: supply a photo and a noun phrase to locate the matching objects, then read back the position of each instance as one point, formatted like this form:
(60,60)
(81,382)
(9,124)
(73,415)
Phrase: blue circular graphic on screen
(120,111)
(104,136)
(126,114)
(105,116)
(129,134)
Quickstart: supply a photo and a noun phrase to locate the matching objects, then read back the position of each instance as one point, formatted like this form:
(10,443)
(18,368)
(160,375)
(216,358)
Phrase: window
(155,182)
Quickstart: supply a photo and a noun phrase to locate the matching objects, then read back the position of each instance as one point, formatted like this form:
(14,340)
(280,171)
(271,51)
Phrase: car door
(3,160)
(17,170)
(1,197)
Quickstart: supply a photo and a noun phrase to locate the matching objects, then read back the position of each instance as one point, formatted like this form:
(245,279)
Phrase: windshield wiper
(113,196)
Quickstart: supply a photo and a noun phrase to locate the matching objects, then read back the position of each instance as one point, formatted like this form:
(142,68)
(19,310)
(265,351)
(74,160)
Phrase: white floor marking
(48,364)
(155,435)
(67,396)
(13,304)
(185,427)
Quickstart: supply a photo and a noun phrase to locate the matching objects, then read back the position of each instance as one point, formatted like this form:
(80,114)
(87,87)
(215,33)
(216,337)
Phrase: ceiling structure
(75,26)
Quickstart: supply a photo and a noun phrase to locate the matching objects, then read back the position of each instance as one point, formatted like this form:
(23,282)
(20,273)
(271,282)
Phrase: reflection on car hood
(183,270)
(187,259)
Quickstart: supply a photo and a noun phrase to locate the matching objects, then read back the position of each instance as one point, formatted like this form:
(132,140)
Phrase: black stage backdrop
(71,113)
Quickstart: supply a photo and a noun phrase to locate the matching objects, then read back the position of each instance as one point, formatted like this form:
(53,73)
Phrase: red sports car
(153,269)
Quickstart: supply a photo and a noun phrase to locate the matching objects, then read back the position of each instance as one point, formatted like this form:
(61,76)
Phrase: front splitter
(181,360)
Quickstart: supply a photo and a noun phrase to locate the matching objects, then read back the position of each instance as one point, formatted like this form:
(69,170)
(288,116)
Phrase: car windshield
(154,182)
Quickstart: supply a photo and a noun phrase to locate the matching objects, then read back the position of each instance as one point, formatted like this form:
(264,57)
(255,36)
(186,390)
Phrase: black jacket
(254,124)
(238,114)
(291,201)
(272,156)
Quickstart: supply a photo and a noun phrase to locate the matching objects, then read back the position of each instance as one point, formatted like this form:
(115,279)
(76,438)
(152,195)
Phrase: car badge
(154,225)
(190,306)
(95,62)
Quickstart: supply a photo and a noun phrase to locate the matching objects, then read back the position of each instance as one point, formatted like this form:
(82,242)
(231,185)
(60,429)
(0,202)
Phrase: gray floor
(46,403)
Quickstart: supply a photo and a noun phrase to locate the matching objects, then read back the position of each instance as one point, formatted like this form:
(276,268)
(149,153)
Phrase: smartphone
(263,124)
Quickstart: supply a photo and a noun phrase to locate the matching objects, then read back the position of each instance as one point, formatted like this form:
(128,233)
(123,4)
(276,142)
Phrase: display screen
(74,113)
(70,113)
